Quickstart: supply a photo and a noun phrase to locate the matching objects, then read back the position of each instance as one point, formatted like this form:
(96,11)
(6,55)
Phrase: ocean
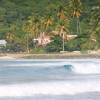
(50,79)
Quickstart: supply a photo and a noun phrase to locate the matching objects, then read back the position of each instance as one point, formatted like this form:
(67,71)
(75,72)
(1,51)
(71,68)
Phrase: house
(70,37)
(3,43)
(43,40)
(64,35)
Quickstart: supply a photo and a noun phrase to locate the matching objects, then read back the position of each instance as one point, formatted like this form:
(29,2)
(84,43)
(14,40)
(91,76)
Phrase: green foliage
(55,45)
(26,19)
(1,35)
(38,50)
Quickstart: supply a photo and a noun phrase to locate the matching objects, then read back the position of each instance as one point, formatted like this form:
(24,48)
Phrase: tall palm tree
(31,27)
(27,27)
(62,19)
(10,36)
(94,26)
(76,12)
(48,21)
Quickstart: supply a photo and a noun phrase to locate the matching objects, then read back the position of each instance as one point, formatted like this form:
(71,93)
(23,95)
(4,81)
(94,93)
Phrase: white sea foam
(57,87)
(86,68)
(49,88)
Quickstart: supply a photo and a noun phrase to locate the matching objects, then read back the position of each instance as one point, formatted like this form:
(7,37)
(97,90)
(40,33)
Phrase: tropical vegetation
(23,20)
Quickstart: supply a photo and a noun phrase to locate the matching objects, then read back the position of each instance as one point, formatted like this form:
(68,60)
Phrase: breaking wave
(79,67)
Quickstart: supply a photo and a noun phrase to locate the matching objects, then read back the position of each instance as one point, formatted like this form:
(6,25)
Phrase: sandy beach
(48,56)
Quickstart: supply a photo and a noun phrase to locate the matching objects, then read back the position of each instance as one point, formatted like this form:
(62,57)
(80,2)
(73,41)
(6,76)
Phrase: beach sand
(48,56)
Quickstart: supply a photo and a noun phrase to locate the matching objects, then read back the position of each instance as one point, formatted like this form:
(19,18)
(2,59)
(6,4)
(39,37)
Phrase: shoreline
(49,56)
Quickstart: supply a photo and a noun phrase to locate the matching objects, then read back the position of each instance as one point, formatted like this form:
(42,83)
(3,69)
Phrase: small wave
(78,67)
(45,64)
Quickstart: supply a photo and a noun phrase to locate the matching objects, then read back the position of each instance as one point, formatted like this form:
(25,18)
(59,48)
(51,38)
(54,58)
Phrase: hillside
(23,20)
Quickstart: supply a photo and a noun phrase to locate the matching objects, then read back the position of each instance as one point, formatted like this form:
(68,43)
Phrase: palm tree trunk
(63,42)
(27,43)
(78,26)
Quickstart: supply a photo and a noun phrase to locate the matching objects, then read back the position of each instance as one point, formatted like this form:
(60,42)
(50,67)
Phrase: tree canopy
(23,20)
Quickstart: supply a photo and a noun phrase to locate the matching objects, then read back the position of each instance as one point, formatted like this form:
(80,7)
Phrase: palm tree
(62,19)
(27,27)
(35,27)
(31,27)
(94,27)
(10,36)
(48,21)
(76,12)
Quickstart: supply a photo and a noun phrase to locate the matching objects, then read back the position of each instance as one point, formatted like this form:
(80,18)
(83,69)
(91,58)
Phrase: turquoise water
(71,79)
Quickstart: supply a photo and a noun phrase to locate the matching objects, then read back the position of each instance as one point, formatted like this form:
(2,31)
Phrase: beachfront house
(70,37)
(3,43)
(42,40)
(67,37)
